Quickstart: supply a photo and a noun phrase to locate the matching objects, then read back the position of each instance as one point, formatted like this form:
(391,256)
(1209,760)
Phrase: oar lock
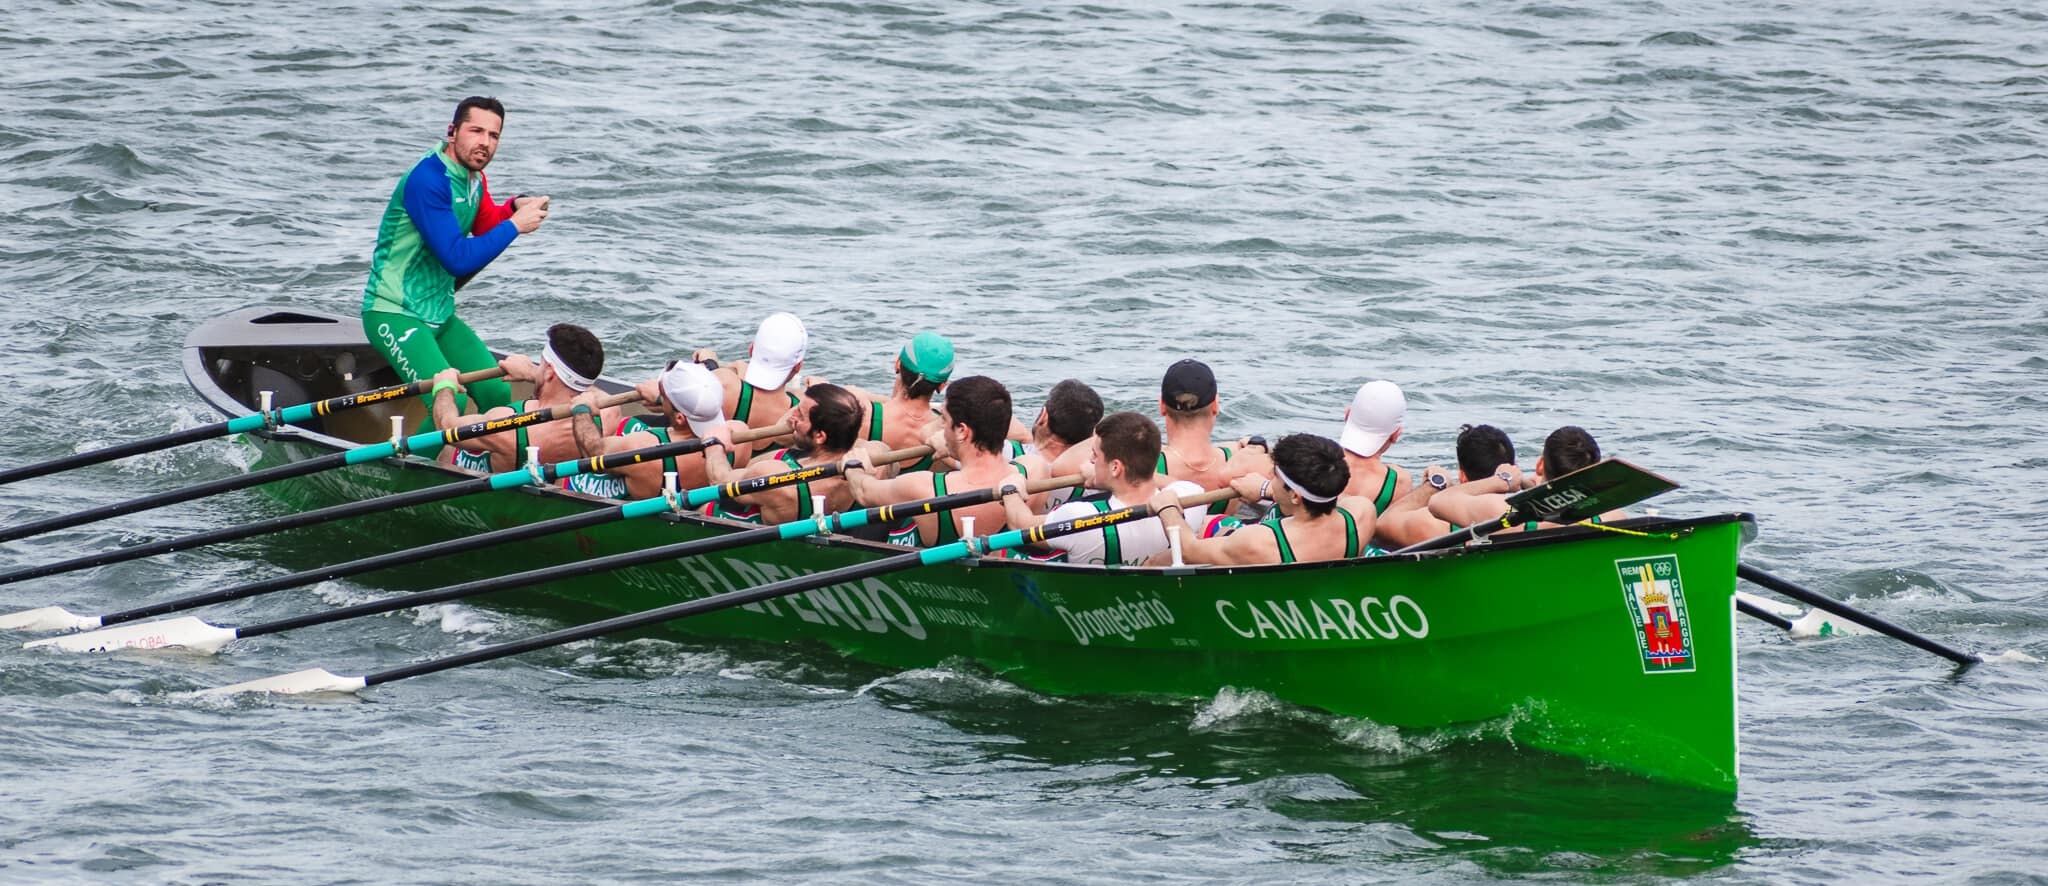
(269,417)
(668,491)
(534,468)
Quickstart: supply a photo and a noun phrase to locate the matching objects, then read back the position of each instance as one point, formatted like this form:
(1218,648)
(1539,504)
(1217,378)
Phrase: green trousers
(418,351)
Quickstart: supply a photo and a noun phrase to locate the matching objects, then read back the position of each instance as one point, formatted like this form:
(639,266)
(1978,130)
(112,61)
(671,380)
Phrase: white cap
(778,347)
(1376,413)
(693,391)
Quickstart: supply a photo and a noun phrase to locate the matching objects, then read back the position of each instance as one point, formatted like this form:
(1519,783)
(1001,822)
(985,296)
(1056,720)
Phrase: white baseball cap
(693,391)
(1376,412)
(778,347)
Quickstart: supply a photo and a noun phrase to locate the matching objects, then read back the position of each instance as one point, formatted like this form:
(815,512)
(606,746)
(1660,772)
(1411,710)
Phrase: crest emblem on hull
(1655,597)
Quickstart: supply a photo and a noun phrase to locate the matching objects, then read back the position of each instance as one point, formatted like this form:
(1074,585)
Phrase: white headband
(1305,494)
(570,377)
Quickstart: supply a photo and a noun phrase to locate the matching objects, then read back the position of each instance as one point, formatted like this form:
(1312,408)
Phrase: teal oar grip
(853,520)
(1005,540)
(944,553)
(245,423)
(375,451)
(646,507)
(511,480)
(299,413)
(700,496)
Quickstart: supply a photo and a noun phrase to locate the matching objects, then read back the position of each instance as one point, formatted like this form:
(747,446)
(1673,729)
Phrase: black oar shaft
(248,530)
(1764,579)
(368,564)
(651,617)
(110,453)
(201,490)
(1771,618)
(592,566)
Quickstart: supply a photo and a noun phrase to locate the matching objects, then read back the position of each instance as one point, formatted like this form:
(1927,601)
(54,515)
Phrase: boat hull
(1616,647)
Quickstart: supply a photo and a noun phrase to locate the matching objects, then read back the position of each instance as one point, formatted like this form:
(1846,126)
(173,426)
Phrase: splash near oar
(322,680)
(1588,492)
(196,635)
(398,445)
(240,425)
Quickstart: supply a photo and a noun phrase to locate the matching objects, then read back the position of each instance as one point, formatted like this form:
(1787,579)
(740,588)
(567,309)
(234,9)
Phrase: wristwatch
(1508,478)
(1438,482)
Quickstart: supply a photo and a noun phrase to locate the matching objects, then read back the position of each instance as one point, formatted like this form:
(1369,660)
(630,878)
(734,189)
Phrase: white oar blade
(185,633)
(295,683)
(1822,624)
(48,619)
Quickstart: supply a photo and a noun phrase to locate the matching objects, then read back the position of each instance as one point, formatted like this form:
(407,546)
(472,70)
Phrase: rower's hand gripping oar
(57,618)
(397,445)
(321,680)
(242,424)
(1580,495)
(192,633)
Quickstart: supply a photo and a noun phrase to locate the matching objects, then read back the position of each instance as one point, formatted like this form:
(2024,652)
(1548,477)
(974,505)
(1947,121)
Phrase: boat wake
(1233,710)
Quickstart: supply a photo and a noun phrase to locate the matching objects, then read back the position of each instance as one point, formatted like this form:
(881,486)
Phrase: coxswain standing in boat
(974,421)
(1318,522)
(569,365)
(824,424)
(1125,456)
(1070,415)
(1567,449)
(1372,425)
(439,229)
(1483,452)
(687,400)
(754,394)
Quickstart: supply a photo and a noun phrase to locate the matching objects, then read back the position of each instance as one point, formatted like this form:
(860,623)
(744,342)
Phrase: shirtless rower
(1482,450)
(823,423)
(975,421)
(1372,424)
(1567,449)
(1126,451)
(1187,399)
(1318,522)
(687,402)
(754,394)
(569,365)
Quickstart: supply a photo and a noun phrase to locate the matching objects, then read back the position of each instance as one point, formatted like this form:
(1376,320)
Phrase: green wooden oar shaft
(958,550)
(281,416)
(1761,578)
(506,480)
(356,456)
(794,529)
(645,507)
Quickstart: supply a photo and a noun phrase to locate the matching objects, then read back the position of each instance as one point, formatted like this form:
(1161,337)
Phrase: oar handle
(467,377)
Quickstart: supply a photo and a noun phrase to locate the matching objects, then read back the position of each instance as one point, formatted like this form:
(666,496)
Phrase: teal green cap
(928,356)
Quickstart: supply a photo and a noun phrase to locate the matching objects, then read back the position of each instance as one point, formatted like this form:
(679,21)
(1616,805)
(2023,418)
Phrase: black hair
(917,387)
(485,102)
(1568,449)
(1132,439)
(1317,465)
(1072,410)
(835,411)
(577,347)
(983,405)
(1482,449)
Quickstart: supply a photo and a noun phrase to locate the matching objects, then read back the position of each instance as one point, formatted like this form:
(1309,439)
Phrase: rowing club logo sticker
(1656,601)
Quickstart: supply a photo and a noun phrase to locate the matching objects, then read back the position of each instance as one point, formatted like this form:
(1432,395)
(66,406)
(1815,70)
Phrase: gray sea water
(1788,254)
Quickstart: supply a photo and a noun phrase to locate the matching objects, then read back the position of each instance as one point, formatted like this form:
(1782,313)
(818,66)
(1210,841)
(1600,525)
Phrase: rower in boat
(1567,449)
(905,417)
(687,400)
(754,394)
(1372,424)
(1187,400)
(1071,413)
(569,365)
(974,423)
(1318,522)
(1482,451)
(1124,461)
(824,423)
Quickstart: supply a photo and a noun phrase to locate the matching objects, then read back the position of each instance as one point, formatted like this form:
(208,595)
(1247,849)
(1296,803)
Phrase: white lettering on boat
(1122,619)
(871,606)
(1368,619)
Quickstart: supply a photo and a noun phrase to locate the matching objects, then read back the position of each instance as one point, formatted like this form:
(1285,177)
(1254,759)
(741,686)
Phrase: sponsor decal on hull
(1655,597)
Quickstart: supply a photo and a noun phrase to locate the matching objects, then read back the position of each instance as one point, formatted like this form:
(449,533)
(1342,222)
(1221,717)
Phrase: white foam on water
(453,618)
(2011,656)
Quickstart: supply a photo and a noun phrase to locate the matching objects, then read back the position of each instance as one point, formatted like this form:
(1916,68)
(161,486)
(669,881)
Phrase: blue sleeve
(432,210)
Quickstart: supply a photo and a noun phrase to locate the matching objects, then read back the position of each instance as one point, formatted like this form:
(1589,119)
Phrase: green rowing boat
(1617,647)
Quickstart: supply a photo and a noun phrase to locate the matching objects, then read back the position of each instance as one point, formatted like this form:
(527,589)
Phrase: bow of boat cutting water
(1787,257)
